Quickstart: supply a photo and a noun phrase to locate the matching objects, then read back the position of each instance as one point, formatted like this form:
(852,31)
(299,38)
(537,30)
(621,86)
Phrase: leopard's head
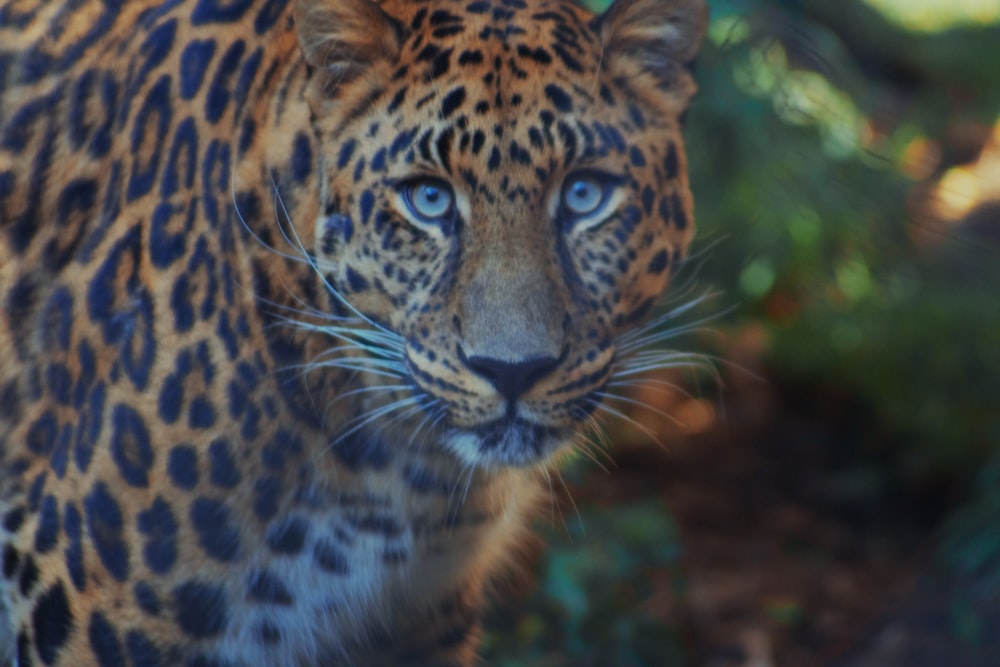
(504,195)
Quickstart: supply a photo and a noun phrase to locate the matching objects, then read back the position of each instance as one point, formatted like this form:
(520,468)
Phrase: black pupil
(582,191)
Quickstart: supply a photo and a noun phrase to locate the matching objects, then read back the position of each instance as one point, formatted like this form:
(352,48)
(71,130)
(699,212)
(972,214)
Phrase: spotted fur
(256,406)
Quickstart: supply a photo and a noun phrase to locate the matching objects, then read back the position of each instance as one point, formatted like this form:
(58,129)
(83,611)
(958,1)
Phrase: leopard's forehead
(506,95)
(501,21)
(495,55)
(514,37)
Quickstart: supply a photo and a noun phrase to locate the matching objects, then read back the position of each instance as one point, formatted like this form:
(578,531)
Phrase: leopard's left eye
(429,199)
(583,195)
(588,198)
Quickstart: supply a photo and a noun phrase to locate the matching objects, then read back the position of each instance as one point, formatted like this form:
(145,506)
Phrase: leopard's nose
(510,378)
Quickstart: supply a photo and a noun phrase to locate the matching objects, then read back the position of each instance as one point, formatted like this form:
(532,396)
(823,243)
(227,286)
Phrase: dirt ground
(796,550)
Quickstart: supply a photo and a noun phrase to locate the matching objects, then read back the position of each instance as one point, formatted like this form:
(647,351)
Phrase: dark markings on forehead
(469,176)
(424,146)
(535,137)
(502,14)
(519,155)
(470,57)
(501,34)
(610,136)
(568,38)
(425,99)
(443,146)
(363,108)
(440,60)
(564,42)
(427,53)
(418,19)
(568,138)
(608,98)
(494,161)
(559,98)
(519,192)
(402,141)
(516,70)
(538,54)
(568,60)
(452,101)
(567,23)
(448,31)
(444,17)
(397,100)
(478,139)
(583,94)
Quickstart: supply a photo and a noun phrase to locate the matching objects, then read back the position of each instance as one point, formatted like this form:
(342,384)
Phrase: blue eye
(429,199)
(583,195)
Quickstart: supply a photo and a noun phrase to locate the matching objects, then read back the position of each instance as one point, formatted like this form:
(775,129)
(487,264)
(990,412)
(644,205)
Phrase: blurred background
(824,488)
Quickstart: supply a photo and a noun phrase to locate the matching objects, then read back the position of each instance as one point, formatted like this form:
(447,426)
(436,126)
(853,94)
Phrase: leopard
(302,302)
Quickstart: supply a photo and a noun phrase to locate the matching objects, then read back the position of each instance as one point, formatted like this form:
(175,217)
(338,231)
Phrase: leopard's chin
(507,442)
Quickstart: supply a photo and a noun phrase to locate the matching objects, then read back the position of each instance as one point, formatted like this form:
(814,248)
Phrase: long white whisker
(358,423)
(295,241)
(652,337)
(369,390)
(597,452)
(640,365)
(429,422)
(360,339)
(249,229)
(334,356)
(641,404)
(603,441)
(621,415)
(661,386)
(371,366)
(672,314)
(572,501)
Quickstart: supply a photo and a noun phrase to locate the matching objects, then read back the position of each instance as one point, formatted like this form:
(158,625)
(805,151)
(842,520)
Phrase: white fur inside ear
(671,28)
(345,34)
(664,32)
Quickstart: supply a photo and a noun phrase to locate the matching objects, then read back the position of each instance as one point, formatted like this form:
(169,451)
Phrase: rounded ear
(341,38)
(660,38)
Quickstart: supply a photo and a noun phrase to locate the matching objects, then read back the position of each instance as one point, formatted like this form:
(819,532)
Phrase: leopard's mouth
(508,441)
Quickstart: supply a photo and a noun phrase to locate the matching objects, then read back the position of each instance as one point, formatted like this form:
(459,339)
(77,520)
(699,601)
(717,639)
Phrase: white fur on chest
(362,567)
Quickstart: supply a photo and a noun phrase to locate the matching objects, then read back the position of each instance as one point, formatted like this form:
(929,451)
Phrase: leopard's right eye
(430,200)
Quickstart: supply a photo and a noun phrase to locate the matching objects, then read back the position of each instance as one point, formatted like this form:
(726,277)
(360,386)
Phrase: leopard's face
(505,191)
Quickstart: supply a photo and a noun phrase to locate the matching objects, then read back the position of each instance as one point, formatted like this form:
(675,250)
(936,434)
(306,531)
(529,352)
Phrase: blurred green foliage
(806,219)
(812,223)
(597,599)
